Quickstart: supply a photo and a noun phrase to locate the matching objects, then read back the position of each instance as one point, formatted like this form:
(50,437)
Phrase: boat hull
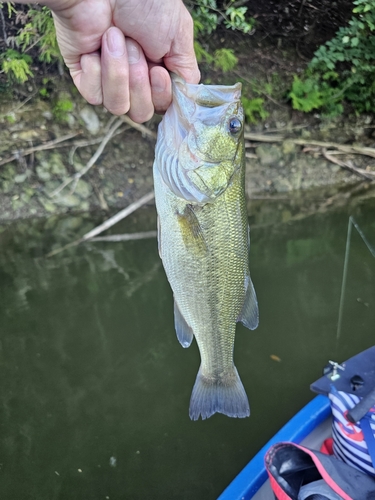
(310,427)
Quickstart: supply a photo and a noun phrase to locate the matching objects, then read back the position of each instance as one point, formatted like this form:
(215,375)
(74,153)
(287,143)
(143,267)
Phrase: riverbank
(59,155)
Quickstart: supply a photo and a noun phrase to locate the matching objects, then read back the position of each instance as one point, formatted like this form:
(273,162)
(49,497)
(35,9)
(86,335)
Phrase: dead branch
(302,142)
(137,126)
(41,147)
(370,176)
(84,143)
(108,223)
(127,237)
(76,177)
(263,138)
(102,201)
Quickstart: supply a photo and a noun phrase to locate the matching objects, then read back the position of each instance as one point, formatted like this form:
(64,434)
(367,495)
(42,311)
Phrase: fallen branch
(86,142)
(108,223)
(263,138)
(41,147)
(127,237)
(76,177)
(370,176)
(302,142)
(137,126)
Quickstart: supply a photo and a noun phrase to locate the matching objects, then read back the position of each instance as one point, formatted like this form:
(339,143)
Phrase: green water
(95,387)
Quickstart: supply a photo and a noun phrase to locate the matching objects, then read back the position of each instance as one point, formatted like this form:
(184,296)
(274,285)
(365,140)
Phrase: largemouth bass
(203,235)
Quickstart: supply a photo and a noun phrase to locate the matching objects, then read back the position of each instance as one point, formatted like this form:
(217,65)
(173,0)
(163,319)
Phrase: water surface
(95,387)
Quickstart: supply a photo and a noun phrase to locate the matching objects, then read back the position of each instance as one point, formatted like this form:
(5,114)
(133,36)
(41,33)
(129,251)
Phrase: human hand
(119,52)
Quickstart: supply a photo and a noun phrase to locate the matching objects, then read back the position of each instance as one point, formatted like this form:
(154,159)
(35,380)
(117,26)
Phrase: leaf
(225,59)
(354,41)
(254,109)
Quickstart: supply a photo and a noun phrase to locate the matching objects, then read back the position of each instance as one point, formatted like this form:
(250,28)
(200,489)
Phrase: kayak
(310,427)
(313,424)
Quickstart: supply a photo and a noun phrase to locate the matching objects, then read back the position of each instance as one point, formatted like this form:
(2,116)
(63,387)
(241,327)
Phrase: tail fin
(223,395)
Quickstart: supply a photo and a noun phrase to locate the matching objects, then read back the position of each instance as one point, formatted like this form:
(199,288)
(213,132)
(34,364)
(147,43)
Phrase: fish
(203,235)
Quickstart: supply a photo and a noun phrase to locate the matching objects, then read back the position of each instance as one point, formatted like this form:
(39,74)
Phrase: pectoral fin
(191,230)
(183,330)
(249,316)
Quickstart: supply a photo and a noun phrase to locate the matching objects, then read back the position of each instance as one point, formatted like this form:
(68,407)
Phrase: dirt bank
(45,142)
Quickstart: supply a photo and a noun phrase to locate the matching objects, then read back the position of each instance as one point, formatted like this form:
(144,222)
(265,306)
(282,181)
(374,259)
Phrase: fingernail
(115,42)
(134,54)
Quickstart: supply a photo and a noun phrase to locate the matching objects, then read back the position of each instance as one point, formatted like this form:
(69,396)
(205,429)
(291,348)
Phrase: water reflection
(95,387)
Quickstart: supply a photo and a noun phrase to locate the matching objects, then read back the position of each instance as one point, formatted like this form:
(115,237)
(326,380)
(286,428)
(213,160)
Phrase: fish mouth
(190,98)
(208,96)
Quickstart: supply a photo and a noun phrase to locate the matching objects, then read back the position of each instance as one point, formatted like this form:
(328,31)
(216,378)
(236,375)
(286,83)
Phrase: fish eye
(234,125)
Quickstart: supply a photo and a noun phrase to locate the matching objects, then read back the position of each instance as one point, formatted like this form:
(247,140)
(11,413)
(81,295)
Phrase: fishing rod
(351,223)
(360,409)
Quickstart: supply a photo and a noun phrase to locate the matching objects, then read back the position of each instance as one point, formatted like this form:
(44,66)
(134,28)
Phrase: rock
(268,154)
(57,166)
(282,185)
(90,119)
(68,200)
(50,186)
(42,173)
(7,186)
(83,189)
(28,135)
(20,178)
(288,147)
(78,166)
(68,224)
(17,204)
(47,115)
(8,172)
(29,191)
(85,206)
(70,120)
(48,205)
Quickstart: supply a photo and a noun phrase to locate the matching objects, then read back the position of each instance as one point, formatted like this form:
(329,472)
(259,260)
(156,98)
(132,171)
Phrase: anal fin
(183,330)
(249,316)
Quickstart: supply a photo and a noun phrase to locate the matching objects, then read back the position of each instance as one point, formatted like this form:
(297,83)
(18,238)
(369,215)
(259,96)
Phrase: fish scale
(203,236)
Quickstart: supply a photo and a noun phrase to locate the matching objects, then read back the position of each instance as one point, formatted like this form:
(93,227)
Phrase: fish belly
(204,249)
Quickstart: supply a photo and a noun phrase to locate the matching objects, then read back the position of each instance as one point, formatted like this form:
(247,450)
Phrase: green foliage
(208,16)
(202,54)
(306,94)
(34,40)
(16,65)
(342,69)
(254,109)
(45,36)
(225,59)
(62,108)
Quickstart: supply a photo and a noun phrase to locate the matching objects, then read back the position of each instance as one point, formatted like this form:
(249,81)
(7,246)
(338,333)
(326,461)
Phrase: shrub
(342,69)
(35,39)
